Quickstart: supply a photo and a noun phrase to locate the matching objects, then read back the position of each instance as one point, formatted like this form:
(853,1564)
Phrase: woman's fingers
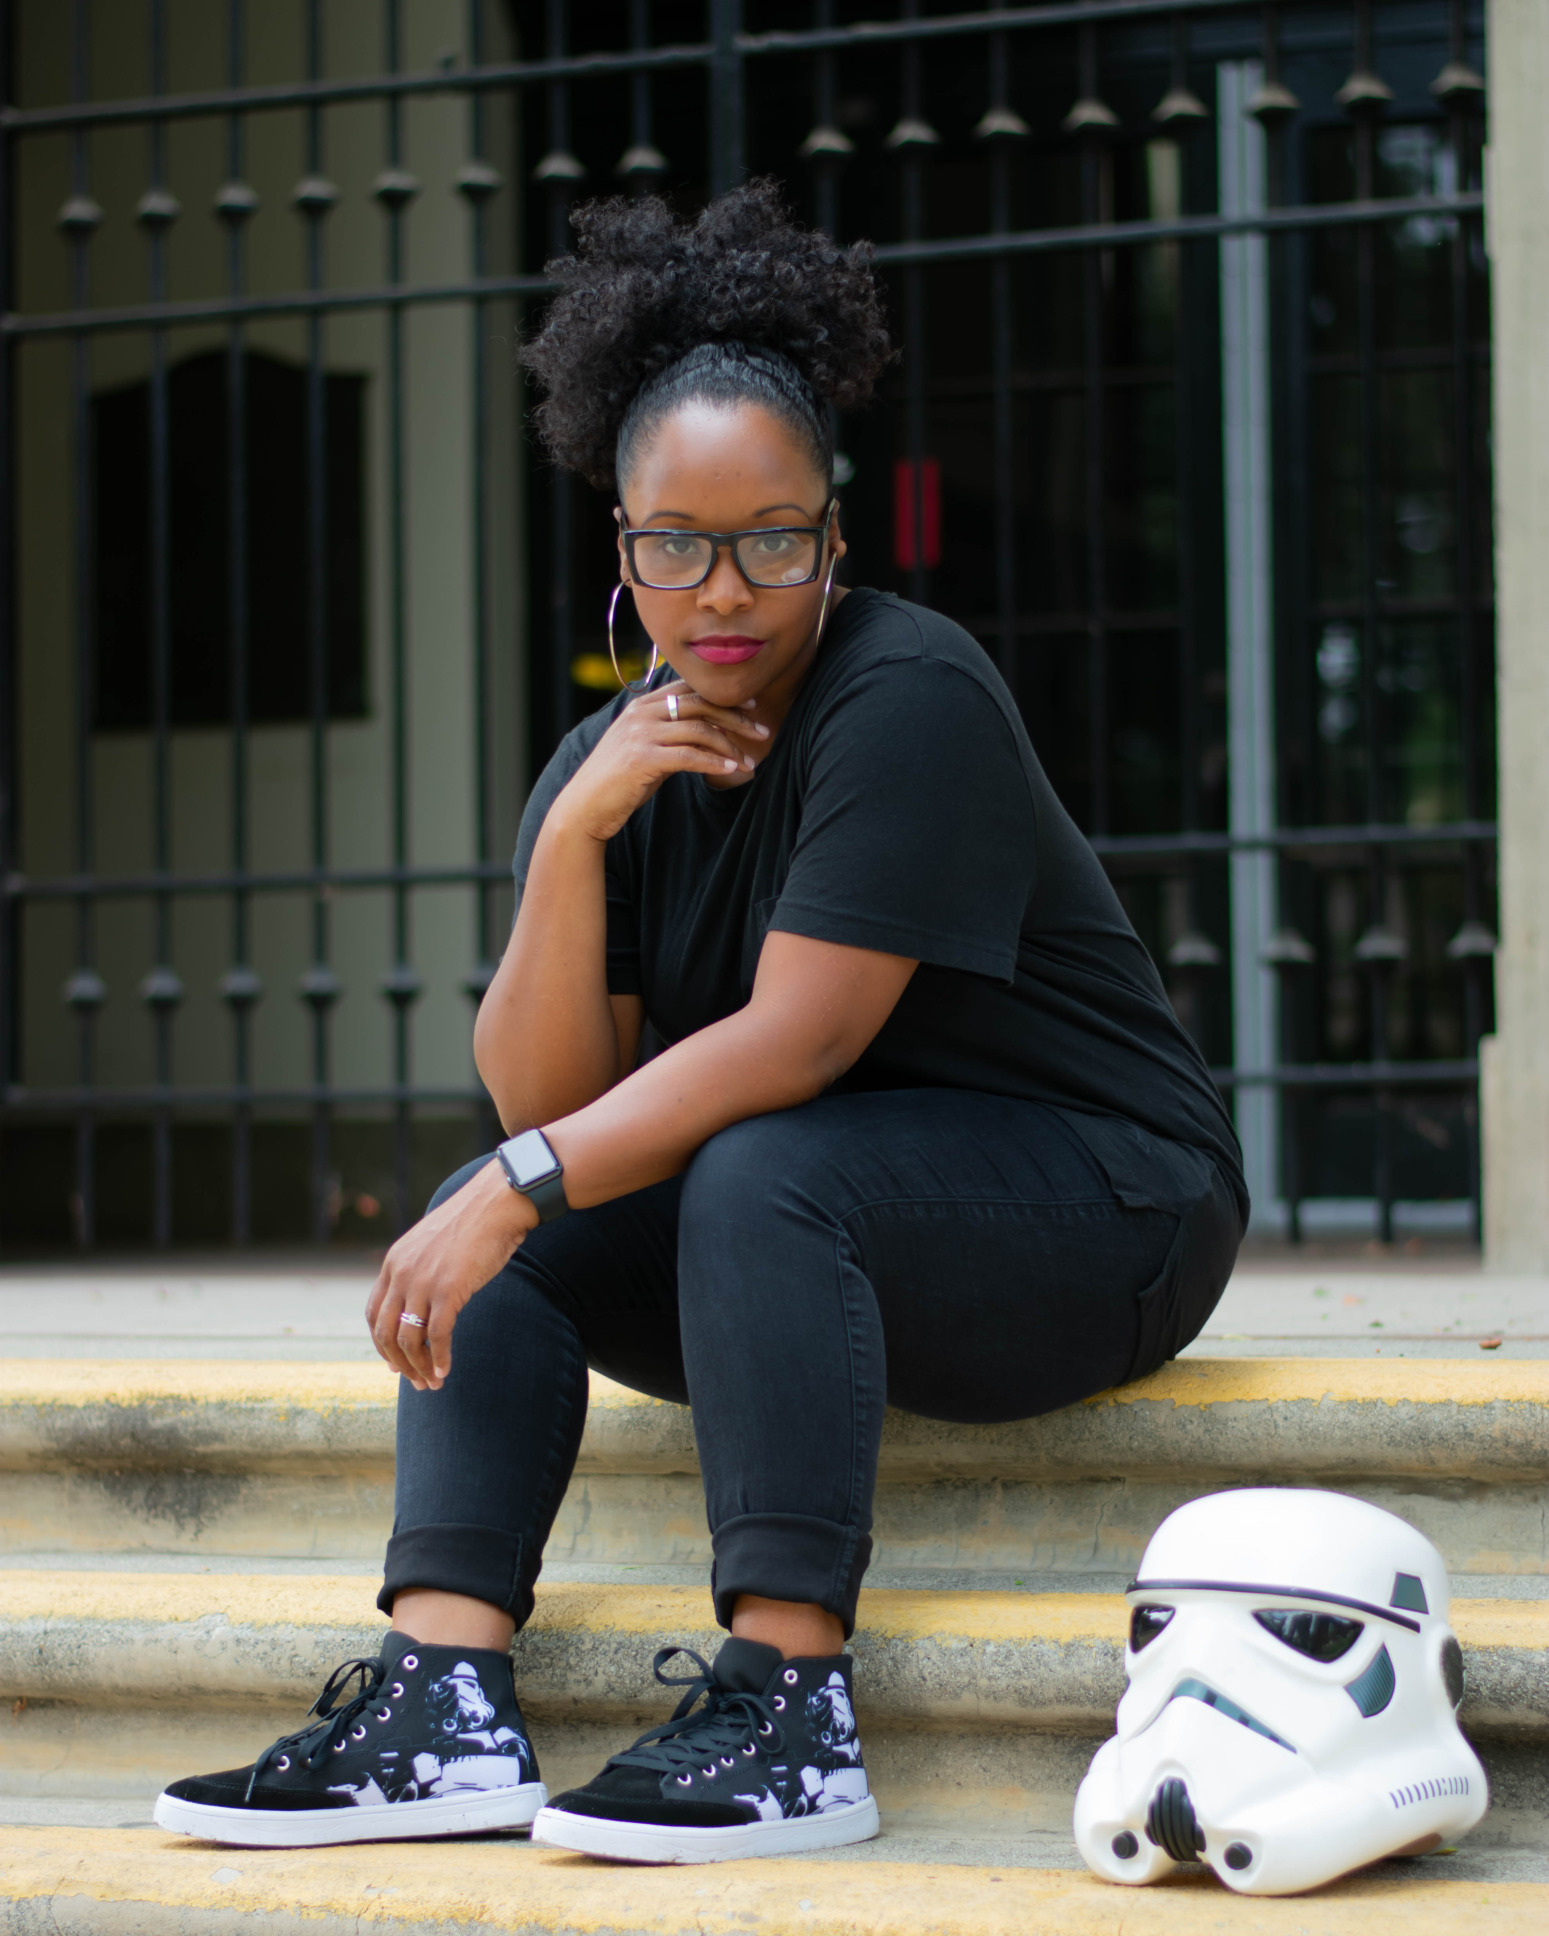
(438,1341)
(388,1333)
(692,706)
(412,1345)
(701,732)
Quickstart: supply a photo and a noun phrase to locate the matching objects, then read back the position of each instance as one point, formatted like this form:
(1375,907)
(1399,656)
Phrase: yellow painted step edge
(1187,1383)
(512,1886)
(327,1600)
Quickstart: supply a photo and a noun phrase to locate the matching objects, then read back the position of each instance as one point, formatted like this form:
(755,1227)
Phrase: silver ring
(418,1323)
(672,706)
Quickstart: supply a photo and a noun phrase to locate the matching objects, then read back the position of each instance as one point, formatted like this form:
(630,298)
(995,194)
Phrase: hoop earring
(650,671)
(828,592)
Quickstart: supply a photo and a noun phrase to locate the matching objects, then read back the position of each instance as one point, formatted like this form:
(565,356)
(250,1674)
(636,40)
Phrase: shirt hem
(850,930)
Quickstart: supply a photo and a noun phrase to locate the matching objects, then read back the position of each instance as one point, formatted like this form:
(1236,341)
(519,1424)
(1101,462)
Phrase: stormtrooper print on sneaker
(431,1742)
(762,1757)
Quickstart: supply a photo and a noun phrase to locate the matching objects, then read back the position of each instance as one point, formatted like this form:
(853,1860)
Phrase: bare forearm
(649,1126)
(545,1041)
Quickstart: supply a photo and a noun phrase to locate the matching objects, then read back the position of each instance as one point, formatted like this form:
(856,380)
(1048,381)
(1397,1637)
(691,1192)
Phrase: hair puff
(642,290)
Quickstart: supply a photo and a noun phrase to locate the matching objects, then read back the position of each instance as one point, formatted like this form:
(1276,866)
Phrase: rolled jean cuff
(485,1562)
(786,1556)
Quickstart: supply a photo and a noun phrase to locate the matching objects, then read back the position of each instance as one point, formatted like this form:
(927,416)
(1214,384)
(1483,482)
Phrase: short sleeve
(623,943)
(917,829)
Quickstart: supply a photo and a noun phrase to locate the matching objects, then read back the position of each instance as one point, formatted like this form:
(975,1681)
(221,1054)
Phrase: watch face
(530,1157)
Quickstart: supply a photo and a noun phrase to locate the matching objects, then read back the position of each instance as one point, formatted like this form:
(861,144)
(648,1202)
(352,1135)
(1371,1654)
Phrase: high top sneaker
(431,1742)
(761,1758)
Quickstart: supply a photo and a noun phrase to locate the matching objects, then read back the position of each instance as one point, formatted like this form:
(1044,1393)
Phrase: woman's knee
(755,1162)
(456,1181)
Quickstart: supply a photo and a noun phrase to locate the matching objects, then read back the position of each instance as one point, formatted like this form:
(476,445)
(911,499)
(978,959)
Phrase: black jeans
(960,1255)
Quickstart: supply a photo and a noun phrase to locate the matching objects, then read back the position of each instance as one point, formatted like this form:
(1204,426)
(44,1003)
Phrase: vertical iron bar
(825,76)
(1093,167)
(562,494)
(1183,474)
(401,989)
(1001,353)
(1475,967)
(913,191)
(1290,409)
(1371,688)
(161,653)
(9,743)
(727,131)
(319,984)
(484,907)
(85,983)
(237,594)
(1289,416)
(641,120)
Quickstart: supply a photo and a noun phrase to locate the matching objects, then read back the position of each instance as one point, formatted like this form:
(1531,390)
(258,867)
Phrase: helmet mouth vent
(1170,1822)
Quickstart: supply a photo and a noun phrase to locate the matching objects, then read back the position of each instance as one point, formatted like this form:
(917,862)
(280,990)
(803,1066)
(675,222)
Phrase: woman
(924,1130)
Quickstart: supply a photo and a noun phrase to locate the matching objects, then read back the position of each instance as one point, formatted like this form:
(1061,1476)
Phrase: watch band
(532,1168)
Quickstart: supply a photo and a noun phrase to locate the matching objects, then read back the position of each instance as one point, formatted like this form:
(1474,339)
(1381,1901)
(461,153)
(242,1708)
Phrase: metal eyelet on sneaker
(357,1734)
(384,1714)
(750,1749)
(766,1728)
(338,1747)
(685,1781)
(709,1773)
(727,1761)
(411,1661)
(779,1704)
(789,1676)
(397,1690)
(283,1762)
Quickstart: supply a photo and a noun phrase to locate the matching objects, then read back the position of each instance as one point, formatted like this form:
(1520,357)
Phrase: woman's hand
(435,1267)
(646,745)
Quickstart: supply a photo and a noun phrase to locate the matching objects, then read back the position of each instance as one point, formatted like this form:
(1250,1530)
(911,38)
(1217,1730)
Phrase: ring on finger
(672,706)
(408,1318)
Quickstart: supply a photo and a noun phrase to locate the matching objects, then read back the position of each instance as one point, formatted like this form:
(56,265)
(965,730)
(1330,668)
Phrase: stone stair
(187,1547)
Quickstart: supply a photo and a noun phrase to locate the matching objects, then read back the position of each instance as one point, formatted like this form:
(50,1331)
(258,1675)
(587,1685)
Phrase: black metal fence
(1190,430)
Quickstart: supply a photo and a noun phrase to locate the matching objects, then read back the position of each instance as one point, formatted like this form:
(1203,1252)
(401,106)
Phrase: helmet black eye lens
(1145,1623)
(1320,1636)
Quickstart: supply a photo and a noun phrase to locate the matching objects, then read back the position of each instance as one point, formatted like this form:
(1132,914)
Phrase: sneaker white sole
(468,1813)
(557,1828)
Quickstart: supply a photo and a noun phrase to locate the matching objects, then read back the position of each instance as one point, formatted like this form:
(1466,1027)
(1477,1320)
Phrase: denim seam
(980,1203)
(556,1474)
(844,1565)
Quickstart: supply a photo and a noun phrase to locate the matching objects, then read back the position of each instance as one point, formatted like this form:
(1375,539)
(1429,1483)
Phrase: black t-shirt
(902,808)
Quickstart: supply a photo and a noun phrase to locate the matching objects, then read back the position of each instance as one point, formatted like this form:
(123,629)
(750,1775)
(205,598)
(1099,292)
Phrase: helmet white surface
(1291,1711)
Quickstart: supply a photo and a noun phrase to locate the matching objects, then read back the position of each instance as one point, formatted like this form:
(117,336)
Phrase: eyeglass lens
(669,559)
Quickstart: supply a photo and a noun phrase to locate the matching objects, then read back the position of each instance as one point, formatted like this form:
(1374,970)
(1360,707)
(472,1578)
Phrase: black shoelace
(730,1721)
(335,1710)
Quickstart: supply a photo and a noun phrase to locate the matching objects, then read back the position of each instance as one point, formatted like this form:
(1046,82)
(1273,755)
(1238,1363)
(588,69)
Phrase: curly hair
(740,305)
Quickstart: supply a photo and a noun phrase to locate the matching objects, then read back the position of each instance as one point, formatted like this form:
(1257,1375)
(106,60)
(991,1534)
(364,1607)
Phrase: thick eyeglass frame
(729,540)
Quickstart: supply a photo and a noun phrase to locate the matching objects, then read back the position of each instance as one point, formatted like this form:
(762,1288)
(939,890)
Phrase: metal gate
(1190,431)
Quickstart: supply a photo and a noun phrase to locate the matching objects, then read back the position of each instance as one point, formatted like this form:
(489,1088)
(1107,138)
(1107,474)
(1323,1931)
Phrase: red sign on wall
(916,510)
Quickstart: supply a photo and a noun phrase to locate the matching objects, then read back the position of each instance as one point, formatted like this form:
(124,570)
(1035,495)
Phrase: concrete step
(293,1463)
(976,1706)
(105,1882)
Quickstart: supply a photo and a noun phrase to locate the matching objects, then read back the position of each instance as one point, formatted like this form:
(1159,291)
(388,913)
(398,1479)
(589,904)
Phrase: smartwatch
(532,1167)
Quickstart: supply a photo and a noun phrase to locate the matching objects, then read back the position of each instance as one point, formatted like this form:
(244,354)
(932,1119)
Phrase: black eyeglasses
(774,556)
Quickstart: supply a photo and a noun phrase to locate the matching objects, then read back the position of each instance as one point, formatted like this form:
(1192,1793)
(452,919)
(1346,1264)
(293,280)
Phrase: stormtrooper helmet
(1291,1711)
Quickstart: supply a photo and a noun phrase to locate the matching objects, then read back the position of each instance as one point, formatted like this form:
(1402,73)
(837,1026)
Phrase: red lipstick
(718,648)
